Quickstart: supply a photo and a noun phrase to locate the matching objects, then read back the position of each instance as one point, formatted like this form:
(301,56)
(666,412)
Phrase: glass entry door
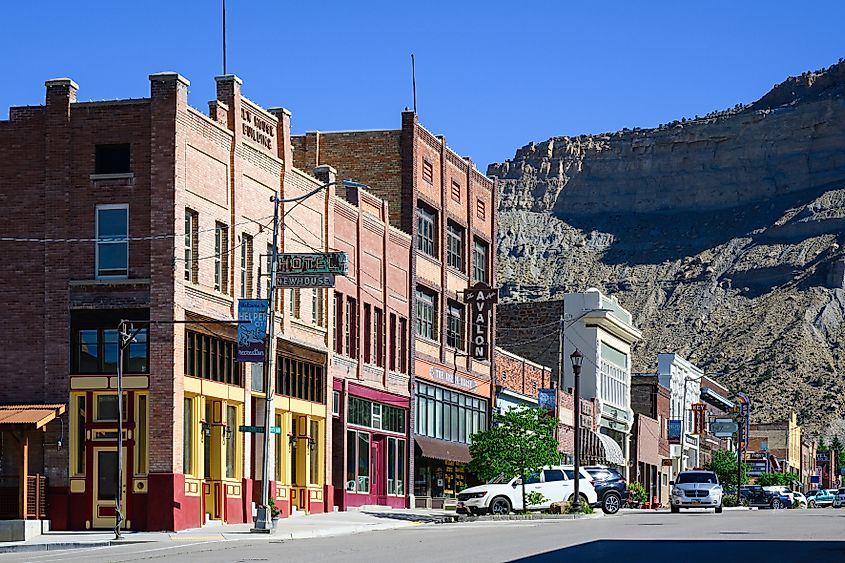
(105,487)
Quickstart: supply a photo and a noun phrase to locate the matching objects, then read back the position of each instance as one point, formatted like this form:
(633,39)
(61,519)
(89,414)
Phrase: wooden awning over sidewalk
(19,421)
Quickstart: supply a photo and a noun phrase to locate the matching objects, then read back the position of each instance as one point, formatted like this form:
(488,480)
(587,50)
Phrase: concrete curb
(61,546)
(494,518)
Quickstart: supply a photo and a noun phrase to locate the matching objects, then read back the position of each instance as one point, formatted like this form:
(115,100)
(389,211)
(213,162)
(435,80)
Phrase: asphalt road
(690,537)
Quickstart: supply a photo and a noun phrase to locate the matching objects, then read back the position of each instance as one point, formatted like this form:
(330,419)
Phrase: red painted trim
(379,396)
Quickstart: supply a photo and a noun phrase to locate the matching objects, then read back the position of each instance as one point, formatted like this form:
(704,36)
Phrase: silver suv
(696,489)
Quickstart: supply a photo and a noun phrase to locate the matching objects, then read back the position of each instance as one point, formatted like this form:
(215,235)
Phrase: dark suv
(611,488)
(755,495)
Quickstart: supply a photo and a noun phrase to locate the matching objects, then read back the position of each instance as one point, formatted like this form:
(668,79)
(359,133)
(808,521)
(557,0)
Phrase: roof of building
(30,415)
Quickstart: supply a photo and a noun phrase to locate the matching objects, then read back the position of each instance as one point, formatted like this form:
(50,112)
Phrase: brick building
(162,214)
(371,368)
(448,208)
(652,401)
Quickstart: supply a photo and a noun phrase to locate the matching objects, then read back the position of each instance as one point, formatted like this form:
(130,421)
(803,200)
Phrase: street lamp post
(577,358)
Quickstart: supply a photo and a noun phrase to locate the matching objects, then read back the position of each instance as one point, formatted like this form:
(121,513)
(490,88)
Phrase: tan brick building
(148,210)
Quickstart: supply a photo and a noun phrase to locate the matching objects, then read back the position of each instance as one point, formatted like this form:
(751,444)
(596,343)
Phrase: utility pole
(263,519)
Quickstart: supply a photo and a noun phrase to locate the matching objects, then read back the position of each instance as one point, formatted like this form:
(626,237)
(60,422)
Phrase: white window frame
(105,207)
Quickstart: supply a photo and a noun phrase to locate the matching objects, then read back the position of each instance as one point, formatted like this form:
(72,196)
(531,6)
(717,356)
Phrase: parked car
(696,489)
(504,494)
(819,498)
(839,498)
(763,497)
(611,487)
(784,491)
(801,499)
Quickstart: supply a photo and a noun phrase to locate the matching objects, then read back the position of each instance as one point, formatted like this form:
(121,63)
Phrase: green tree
(723,464)
(520,442)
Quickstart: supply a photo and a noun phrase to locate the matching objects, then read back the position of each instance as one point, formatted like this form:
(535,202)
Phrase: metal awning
(28,416)
(433,448)
(709,396)
(612,452)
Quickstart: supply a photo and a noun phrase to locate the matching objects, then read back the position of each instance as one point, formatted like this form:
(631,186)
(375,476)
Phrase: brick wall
(530,330)
(520,375)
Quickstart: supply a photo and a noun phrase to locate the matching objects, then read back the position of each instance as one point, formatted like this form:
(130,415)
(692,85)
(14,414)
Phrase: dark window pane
(111,159)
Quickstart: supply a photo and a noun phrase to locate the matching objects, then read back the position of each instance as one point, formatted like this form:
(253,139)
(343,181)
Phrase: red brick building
(371,367)
(651,403)
(148,210)
(448,208)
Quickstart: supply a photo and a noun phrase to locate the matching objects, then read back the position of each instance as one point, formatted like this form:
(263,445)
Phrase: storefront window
(293,448)
(314,477)
(363,462)
(448,415)
(231,436)
(188,437)
(376,415)
(351,460)
(80,435)
(278,445)
(395,466)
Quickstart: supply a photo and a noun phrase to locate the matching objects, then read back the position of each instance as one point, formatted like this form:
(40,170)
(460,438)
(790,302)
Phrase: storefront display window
(363,462)
(376,415)
(395,466)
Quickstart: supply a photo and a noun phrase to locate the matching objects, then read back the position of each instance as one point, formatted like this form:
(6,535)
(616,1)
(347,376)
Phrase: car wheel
(611,503)
(500,505)
(810,504)
(675,509)
(777,504)
(718,510)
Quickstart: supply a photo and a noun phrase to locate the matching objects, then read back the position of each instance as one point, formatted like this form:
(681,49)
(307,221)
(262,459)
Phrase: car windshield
(500,480)
(697,478)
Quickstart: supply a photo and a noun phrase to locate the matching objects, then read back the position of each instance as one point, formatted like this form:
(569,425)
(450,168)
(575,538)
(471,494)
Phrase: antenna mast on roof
(414,81)
(224,37)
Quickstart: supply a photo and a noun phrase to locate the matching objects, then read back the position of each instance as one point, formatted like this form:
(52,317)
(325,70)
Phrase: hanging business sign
(312,263)
(546,399)
(723,427)
(480,298)
(699,411)
(252,333)
(674,431)
(304,280)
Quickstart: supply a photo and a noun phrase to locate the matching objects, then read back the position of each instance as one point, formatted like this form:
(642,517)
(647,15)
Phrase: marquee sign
(304,280)
(481,298)
(312,263)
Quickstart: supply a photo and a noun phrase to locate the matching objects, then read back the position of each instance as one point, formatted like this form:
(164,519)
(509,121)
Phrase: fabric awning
(433,448)
(612,452)
(34,416)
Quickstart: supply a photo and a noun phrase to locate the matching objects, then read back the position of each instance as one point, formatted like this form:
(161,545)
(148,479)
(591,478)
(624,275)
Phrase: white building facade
(603,332)
(683,379)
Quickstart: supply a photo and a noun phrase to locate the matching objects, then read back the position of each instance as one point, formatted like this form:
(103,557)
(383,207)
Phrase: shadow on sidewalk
(423,518)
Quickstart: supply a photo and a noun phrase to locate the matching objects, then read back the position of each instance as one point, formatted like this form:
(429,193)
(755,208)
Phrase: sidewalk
(296,527)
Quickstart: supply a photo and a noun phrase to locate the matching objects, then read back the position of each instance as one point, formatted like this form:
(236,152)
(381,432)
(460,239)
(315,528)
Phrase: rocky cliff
(720,233)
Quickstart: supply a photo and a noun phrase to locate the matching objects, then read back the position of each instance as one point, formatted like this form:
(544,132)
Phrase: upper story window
(426,317)
(317,307)
(426,229)
(246,266)
(211,357)
(300,379)
(351,328)
(479,261)
(95,339)
(112,251)
(456,192)
(427,171)
(455,246)
(112,159)
(480,209)
(221,245)
(455,325)
(191,245)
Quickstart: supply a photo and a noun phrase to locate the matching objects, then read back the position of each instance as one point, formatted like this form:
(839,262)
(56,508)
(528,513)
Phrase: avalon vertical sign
(481,299)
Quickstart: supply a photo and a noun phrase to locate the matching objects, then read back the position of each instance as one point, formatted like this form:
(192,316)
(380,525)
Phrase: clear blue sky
(491,76)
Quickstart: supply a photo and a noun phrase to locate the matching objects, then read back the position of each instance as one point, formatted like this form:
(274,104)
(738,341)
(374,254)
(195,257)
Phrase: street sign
(312,263)
(481,298)
(260,429)
(304,280)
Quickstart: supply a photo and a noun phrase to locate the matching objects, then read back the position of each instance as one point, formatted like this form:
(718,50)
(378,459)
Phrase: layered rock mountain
(722,235)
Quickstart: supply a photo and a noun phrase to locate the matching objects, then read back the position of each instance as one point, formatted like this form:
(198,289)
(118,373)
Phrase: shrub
(534,498)
(637,492)
(729,500)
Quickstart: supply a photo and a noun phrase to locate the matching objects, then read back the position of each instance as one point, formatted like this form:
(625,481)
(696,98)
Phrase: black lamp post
(577,357)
